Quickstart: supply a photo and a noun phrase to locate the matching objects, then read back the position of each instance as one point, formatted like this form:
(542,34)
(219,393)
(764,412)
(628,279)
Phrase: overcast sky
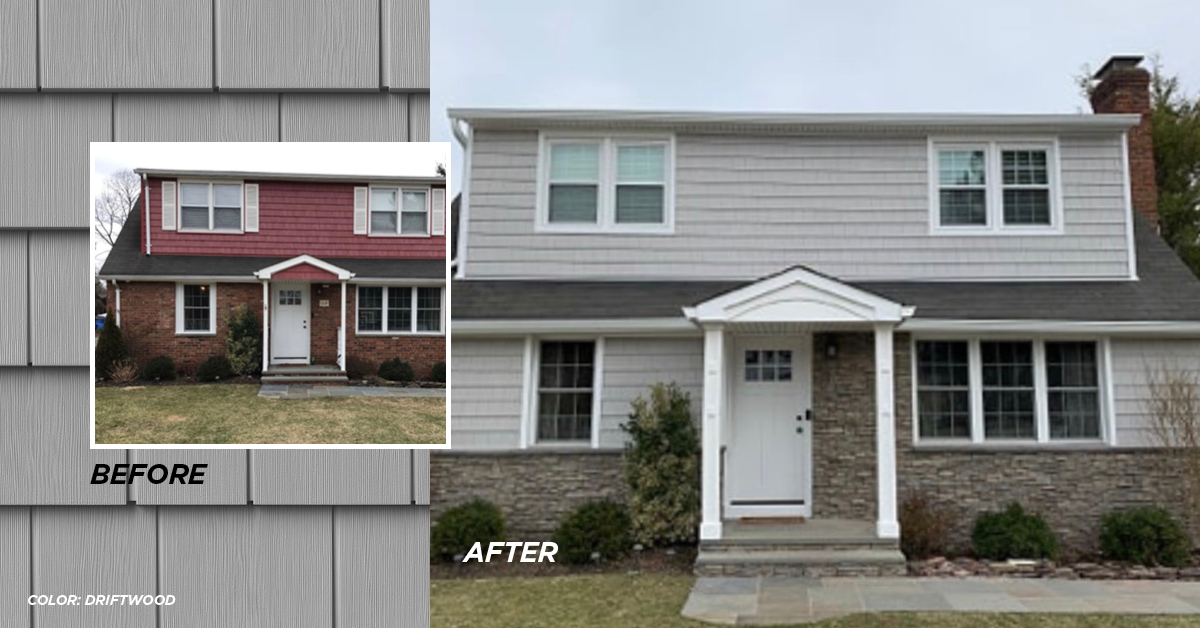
(843,56)
(393,159)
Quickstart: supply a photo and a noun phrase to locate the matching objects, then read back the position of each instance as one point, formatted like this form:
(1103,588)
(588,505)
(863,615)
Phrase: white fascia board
(839,295)
(184,278)
(342,273)
(633,326)
(1169,328)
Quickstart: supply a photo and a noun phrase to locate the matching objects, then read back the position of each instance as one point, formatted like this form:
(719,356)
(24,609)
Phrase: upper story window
(600,184)
(210,206)
(994,187)
(399,211)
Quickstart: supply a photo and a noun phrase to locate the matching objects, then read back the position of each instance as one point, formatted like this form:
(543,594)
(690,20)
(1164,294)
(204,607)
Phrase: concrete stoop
(801,562)
(313,375)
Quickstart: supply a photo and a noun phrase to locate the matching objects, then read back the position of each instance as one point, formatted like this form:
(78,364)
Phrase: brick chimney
(1124,87)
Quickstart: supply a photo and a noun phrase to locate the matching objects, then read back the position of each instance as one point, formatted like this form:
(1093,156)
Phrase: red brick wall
(1127,90)
(325,320)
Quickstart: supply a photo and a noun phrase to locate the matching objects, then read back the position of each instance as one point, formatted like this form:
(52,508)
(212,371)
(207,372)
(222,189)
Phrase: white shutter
(251,207)
(168,205)
(360,210)
(439,212)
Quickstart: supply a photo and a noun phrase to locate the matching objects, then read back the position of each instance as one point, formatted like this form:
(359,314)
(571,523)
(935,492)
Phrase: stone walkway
(300,391)
(779,600)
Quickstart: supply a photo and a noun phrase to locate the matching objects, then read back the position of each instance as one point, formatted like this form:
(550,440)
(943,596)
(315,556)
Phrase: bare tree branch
(120,197)
(1174,413)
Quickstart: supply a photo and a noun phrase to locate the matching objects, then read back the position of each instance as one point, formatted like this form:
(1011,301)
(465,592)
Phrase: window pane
(225,195)
(1072,377)
(1026,207)
(574,162)
(964,207)
(195,308)
(1008,394)
(224,218)
(573,203)
(565,395)
(640,204)
(383,222)
(412,222)
(1074,414)
(370,308)
(429,309)
(641,164)
(943,390)
(1024,167)
(193,194)
(945,413)
(961,167)
(383,200)
(193,217)
(399,309)
(1008,414)
(414,201)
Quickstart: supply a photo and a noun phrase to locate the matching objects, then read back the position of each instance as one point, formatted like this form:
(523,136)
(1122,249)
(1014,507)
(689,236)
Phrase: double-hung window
(210,206)
(195,308)
(994,187)
(600,184)
(1008,390)
(390,309)
(566,372)
(399,211)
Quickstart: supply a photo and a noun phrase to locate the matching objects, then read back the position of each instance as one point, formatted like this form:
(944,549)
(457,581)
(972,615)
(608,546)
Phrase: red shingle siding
(294,218)
(305,271)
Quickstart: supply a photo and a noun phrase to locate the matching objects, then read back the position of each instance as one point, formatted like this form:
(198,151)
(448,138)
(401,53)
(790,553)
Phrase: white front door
(290,310)
(769,458)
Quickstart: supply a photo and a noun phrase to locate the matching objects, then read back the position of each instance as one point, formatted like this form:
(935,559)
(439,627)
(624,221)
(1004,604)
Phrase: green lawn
(619,601)
(234,413)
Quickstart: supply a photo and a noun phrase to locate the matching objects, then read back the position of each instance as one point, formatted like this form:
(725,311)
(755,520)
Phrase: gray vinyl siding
(420,476)
(14,301)
(290,44)
(45,179)
(58,283)
(14,567)
(332,476)
(407,48)
(632,365)
(224,479)
(379,117)
(126,44)
(1133,362)
(486,378)
(382,566)
(747,206)
(418,117)
(197,117)
(18,45)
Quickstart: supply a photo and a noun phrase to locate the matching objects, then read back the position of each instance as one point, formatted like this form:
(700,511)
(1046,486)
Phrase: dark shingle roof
(126,260)
(1167,291)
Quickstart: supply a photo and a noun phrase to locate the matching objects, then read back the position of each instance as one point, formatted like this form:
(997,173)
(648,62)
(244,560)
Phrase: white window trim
(400,190)
(209,182)
(412,323)
(606,207)
(995,188)
(533,364)
(1042,438)
(212,309)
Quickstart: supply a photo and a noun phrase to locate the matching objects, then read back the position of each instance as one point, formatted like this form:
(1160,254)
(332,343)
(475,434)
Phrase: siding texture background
(273,538)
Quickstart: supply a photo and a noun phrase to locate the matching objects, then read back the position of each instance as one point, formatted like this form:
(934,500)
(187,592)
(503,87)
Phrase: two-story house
(971,307)
(339,266)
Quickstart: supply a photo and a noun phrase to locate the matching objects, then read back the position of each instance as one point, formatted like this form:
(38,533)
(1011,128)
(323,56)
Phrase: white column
(342,333)
(887,526)
(710,444)
(266,324)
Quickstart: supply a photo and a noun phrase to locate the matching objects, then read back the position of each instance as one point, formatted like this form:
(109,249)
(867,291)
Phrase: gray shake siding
(747,206)
(1134,363)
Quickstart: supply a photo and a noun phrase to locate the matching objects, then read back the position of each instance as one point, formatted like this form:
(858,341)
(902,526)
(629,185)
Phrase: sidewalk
(301,391)
(777,600)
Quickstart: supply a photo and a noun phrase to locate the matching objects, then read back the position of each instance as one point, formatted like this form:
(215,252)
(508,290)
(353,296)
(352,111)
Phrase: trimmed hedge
(215,368)
(111,349)
(597,527)
(1145,536)
(396,370)
(1013,533)
(160,368)
(460,527)
(439,373)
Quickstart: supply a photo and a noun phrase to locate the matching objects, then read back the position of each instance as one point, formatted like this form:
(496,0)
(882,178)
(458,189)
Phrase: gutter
(465,138)
(146,203)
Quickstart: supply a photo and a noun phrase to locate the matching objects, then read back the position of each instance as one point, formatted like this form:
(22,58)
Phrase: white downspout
(146,203)
(117,288)
(466,140)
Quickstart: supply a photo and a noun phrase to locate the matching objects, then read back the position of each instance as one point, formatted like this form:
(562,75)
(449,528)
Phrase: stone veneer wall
(535,490)
(843,425)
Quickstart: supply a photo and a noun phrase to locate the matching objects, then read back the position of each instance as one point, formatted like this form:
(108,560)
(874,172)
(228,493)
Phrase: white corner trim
(597,391)
(1108,409)
(212,310)
(527,393)
(464,198)
(797,294)
(341,273)
(1130,242)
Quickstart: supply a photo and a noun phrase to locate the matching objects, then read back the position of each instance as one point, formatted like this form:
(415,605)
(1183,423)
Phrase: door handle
(808,415)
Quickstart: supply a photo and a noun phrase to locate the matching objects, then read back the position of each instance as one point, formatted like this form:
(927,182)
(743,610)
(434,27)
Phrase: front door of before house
(769,457)
(290,310)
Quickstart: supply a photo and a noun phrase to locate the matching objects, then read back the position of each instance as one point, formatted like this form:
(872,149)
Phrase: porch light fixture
(831,348)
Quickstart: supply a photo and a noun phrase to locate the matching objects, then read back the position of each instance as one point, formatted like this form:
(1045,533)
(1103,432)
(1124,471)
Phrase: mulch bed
(677,561)
(1107,570)
(182,380)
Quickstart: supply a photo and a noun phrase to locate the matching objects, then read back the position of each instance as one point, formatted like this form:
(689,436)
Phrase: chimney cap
(1117,62)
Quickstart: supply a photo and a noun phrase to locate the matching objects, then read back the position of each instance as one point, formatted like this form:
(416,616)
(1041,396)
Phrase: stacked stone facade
(843,427)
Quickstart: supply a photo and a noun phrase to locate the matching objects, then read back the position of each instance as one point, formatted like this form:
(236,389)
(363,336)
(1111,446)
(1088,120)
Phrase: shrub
(124,372)
(462,526)
(924,526)
(1146,536)
(396,370)
(597,527)
(1013,533)
(439,373)
(662,467)
(110,347)
(359,368)
(162,368)
(243,342)
(215,368)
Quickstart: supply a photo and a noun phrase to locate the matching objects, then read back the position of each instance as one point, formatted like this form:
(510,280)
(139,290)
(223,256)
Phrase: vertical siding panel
(45,454)
(45,182)
(95,550)
(345,118)
(14,566)
(382,566)
(421,476)
(408,44)
(351,477)
(127,44)
(197,117)
(298,44)
(59,275)
(418,117)
(224,480)
(18,44)
(14,301)
(247,566)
